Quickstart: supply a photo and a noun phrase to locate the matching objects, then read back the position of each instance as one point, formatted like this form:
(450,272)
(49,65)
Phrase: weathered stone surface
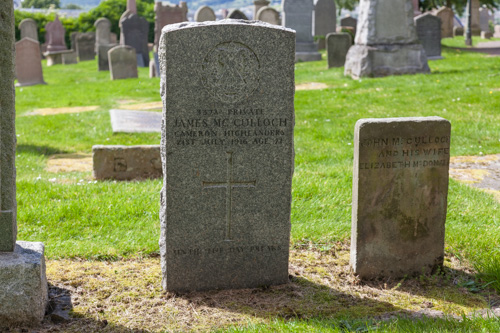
(486,34)
(257,5)
(72,37)
(54,36)
(386,43)
(337,46)
(204,13)
(237,14)
(85,46)
(416,8)
(102,32)
(429,31)
(133,121)
(268,15)
(458,31)
(349,22)
(297,15)
(28,28)
(28,63)
(122,62)
(446,15)
(102,56)
(400,188)
(227,153)
(69,58)
(134,33)
(126,162)
(475,25)
(484,19)
(325,17)
(168,14)
(152,69)
(23,287)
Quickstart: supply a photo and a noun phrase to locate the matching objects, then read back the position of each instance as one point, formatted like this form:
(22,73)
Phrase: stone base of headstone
(306,52)
(29,83)
(152,69)
(385,59)
(69,58)
(126,162)
(56,58)
(24,290)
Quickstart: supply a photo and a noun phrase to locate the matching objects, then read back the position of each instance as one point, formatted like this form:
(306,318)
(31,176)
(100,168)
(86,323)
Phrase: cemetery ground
(101,237)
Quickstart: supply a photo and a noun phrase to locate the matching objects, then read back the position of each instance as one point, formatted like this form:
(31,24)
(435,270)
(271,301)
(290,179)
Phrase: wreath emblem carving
(230,72)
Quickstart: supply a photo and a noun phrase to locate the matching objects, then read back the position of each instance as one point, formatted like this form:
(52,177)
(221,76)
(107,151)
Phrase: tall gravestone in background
(102,32)
(475,26)
(23,284)
(166,13)
(28,28)
(325,20)
(204,13)
(386,41)
(400,189)
(134,31)
(227,153)
(54,36)
(484,19)
(85,46)
(268,15)
(447,17)
(428,29)
(257,5)
(298,15)
(28,62)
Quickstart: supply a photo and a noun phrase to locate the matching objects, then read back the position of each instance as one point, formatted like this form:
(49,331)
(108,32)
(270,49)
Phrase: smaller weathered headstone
(446,15)
(474,18)
(85,46)
(72,37)
(28,62)
(126,162)
(257,5)
(113,38)
(400,189)
(102,32)
(69,58)
(486,34)
(134,32)
(458,31)
(28,28)
(337,46)
(102,56)
(484,19)
(237,14)
(54,36)
(325,18)
(122,62)
(268,15)
(428,29)
(349,22)
(204,13)
(133,121)
(497,31)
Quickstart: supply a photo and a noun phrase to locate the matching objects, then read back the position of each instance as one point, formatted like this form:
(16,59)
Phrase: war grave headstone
(387,42)
(228,135)
(204,13)
(325,20)
(337,46)
(54,37)
(133,121)
(400,188)
(257,5)
(237,14)
(268,15)
(349,22)
(85,46)
(298,15)
(429,30)
(446,15)
(28,28)
(23,283)
(134,30)
(122,62)
(28,62)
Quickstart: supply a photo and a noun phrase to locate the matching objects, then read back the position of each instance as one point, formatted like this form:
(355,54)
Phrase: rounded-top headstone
(204,13)
(325,17)
(103,31)
(268,15)
(237,14)
(28,29)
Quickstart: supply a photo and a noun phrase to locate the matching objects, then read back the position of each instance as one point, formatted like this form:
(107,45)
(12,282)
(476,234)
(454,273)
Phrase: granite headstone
(325,17)
(85,46)
(135,30)
(122,62)
(227,153)
(28,28)
(337,46)
(257,5)
(28,62)
(429,30)
(135,121)
(204,13)
(484,19)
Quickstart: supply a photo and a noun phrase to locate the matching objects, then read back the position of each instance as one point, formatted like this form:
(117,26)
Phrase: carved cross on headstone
(229,184)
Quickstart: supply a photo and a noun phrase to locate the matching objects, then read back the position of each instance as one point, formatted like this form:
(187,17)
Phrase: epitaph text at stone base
(227,154)
(400,189)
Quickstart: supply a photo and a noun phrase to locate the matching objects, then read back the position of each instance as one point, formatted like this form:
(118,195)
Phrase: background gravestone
(446,15)
(400,189)
(268,15)
(85,46)
(257,5)
(225,208)
(386,42)
(122,62)
(54,36)
(298,15)
(102,56)
(325,20)
(237,14)
(28,28)
(23,284)
(102,32)
(204,13)
(475,24)
(429,30)
(351,23)
(28,63)
(484,19)
(168,14)
(72,37)
(135,31)
(337,46)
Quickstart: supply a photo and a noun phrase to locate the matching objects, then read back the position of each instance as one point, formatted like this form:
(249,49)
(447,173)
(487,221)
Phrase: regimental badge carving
(231,72)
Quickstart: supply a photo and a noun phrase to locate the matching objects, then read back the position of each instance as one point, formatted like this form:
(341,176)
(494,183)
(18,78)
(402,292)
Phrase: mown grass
(77,217)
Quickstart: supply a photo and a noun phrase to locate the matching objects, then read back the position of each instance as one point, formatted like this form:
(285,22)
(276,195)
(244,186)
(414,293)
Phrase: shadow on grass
(39,150)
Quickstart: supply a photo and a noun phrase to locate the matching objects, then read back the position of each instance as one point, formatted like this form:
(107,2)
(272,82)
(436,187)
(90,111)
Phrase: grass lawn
(113,224)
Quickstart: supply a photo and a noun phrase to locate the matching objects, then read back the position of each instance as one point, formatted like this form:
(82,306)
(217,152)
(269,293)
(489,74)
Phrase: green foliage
(457,5)
(72,6)
(41,3)
(345,4)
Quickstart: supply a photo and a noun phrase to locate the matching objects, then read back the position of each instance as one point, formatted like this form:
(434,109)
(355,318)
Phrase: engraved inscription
(229,184)
(120,164)
(233,250)
(230,72)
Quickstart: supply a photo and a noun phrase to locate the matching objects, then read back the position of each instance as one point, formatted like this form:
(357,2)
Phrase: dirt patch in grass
(53,111)
(69,163)
(479,171)
(126,296)
(311,86)
(151,106)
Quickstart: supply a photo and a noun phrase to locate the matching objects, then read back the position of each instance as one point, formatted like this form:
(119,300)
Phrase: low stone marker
(133,121)
(204,13)
(122,62)
(429,30)
(85,46)
(126,162)
(337,46)
(400,189)
(28,63)
(227,152)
